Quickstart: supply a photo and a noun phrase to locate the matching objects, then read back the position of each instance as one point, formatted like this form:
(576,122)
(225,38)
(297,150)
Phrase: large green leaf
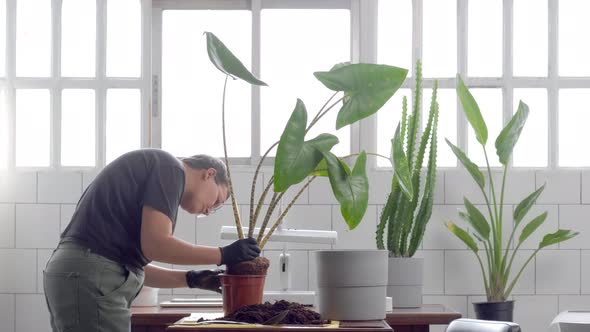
(296,158)
(471,167)
(463,235)
(227,62)
(559,236)
(401,170)
(351,190)
(472,112)
(322,168)
(525,205)
(509,135)
(368,87)
(532,227)
(477,219)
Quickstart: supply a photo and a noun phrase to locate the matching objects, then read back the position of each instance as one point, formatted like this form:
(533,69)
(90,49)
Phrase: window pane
(2,37)
(291,53)
(530,50)
(78,127)
(394,35)
(3,131)
(447,124)
(574,116)
(490,105)
(33,38)
(192,87)
(78,29)
(440,38)
(388,118)
(124,38)
(123,122)
(574,50)
(532,147)
(485,38)
(32,127)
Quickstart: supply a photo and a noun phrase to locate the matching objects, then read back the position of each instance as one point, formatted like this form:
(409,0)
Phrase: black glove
(204,279)
(239,251)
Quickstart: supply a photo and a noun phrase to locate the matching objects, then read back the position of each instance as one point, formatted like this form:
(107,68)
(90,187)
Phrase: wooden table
(420,319)
(345,326)
(157,319)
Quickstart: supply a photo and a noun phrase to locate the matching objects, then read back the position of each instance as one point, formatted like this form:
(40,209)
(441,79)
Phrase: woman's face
(204,196)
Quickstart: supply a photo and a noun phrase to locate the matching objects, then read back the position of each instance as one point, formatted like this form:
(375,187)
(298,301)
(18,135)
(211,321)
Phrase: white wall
(34,207)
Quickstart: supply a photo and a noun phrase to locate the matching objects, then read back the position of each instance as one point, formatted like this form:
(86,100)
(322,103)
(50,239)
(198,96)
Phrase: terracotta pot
(241,290)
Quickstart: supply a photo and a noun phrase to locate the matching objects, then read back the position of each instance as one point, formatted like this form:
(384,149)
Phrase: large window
(73,81)
(82,82)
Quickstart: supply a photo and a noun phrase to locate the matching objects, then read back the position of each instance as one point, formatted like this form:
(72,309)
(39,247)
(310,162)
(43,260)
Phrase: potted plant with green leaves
(485,233)
(409,204)
(364,89)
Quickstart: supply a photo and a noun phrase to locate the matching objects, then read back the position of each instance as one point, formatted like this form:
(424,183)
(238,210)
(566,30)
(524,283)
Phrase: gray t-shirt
(107,219)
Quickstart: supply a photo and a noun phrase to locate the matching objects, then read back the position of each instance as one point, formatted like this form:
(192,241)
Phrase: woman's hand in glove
(204,279)
(239,251)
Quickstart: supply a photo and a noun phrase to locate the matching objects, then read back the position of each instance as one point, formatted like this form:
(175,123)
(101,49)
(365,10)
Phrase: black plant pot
(499,311)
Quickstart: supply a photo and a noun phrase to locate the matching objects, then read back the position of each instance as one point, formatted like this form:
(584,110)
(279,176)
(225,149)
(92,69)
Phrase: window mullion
(145,83)
(507,63)
(553,92)
(10,75)
(55,90)
(462,47)
(256,152)
(156,108)
(101,21)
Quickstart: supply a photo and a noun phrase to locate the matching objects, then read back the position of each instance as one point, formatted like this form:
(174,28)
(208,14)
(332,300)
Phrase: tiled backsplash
(36,206)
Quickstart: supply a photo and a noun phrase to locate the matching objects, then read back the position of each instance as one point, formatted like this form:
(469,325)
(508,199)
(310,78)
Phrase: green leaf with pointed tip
(401,170)
(462,235)
(472,112)
(559,236)
(227,62)
(525,205)
(322,168)
(532,226)
(471,167)
(477,219)
(297,158)
(351,190)
(368,87)
(509,136)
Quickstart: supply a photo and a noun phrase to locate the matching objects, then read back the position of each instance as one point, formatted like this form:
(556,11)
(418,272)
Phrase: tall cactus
(409,206)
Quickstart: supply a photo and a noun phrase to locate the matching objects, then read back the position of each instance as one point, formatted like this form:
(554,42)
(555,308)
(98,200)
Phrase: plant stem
(282,216)
(273,202)
(259,205)
(485,280)
(498,221)
(503,266)
(252,222)
(513,283)
(321,109)
(319,116)
(229,181)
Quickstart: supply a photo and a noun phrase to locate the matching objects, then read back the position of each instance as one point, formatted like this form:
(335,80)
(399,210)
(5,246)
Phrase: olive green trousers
(87,292)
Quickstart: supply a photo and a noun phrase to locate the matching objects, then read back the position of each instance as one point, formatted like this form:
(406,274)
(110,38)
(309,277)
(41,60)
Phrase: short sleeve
(163,190)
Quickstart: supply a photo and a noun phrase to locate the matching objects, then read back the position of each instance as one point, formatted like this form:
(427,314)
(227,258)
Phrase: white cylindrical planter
(405,281)
(351,284)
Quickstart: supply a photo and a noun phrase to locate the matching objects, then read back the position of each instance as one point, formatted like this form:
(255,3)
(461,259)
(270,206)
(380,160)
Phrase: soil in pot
(258,313)
(257,266)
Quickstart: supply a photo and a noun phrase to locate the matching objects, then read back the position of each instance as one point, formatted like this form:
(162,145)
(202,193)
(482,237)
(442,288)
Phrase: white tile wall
(519,184)
(558,272)
(7,312)
(185,226)
(535,313)
(32,313)
(562,187)
(7,225)
(37,225)
(526,282)
(59,187)
(19,271)
(35,207)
